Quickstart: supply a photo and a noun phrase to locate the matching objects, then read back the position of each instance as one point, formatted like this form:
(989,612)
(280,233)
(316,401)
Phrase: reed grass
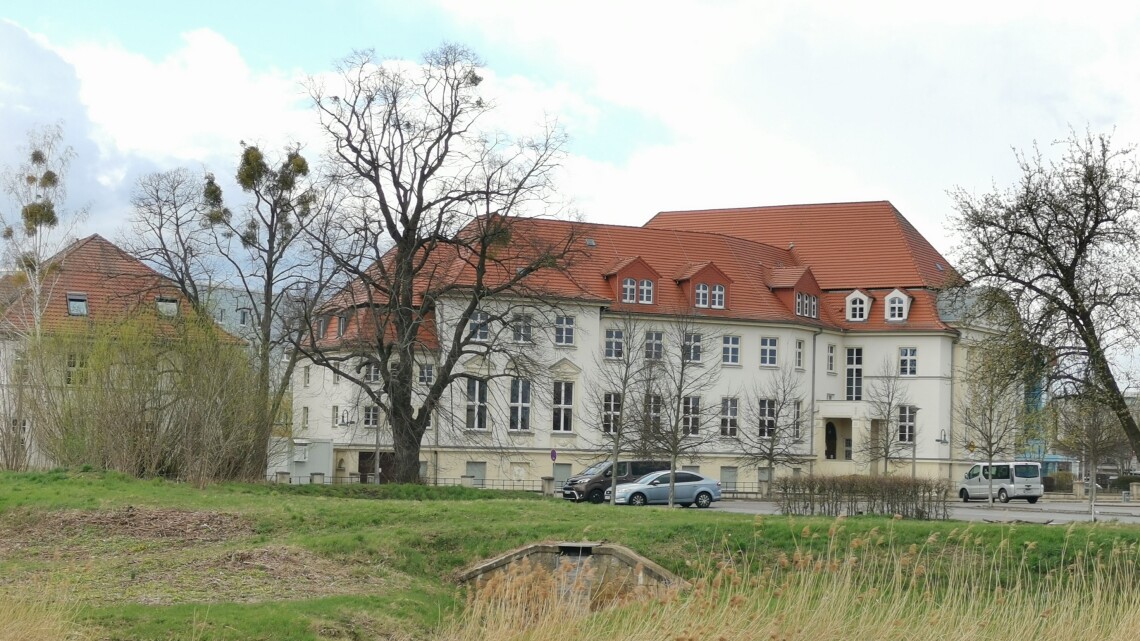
(38,616)
(868,587)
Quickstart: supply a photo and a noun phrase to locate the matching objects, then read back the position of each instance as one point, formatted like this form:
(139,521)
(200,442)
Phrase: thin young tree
(774,433)
(623,369)
(891,434)
(1088,430)
(1063,243)
(434,231)
(677,417)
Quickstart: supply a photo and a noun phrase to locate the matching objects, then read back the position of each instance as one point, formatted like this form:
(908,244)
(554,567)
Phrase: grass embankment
(155,560)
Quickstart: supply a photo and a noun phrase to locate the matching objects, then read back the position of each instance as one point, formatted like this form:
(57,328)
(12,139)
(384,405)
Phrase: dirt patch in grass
(157,556)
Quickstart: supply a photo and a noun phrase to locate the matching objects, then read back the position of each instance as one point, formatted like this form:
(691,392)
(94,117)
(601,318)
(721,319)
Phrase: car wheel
(684,504)
(1003,496)
(704,499)
(637,499)
(964,495)
(1032,499)
(596,496)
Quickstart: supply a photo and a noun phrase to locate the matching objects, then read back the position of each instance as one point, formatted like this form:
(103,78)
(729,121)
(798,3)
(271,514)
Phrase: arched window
(646,292)
(896,308)
(702,295)
(718,296)
(856,309)
(629,291)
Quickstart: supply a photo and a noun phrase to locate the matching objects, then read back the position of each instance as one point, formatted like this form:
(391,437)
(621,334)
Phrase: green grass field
(110,557)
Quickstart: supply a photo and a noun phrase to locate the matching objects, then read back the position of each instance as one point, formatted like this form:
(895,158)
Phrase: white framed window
(701,295)
(520,404)
(341,325)
(854,389)
(629,290)
(766,417)
(564,330)
(243,320)
(907,415)
(797,410)
(799,353)
(730,350)
(768,351)
(322,322)
(372,372)
(615,343)
(653,408)
(76,304)
(908,361)
(831,358)
(807,305)
(476,404)
(166,306)
(691,415)
(645,292)
(563,406)
(691,348)
(306,375)
(336,377)
(371,416)
(521,328)
(896,308)
(479,327)
(611,412)
(717,300)
(814,312)
(427,373)
(800,304)
(654,346)
(336,419)
(305,418)
(857,304)
(729,408)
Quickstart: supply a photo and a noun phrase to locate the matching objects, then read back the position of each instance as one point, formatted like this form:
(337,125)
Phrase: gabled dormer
(796,288)
(633,281)
(897,306)
(858,306)
(705,286)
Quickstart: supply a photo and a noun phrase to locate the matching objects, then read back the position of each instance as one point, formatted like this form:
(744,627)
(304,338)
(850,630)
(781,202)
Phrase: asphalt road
(1044,511)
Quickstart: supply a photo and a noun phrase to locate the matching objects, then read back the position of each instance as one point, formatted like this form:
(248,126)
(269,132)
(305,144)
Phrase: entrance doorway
(367,467)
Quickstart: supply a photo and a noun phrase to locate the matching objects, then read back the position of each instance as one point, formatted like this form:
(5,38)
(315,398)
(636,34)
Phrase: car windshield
(595,469)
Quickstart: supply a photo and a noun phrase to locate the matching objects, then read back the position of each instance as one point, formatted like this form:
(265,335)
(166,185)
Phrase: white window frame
(908,423)
(831,358)
(858,307)
(908,361)
(615,344)
(701,295)
(645,292)
(563,415)
(306,375)
(372,416)
(799,353)
(654,406)
(766,418)
(427,373)
(476,404)
(730,350)
(654,345)
(166,306)
(77,304)
(896,308)
(335,415)
(729,415)
(563,330)
(479,327)
(691,348)
(305,417)
(717,298)
(853,381)
(341,325)
(522,328)
(769,351)
(611,412)
(372,372)
(629,290)
(797,416)
(520,405)
(691,415)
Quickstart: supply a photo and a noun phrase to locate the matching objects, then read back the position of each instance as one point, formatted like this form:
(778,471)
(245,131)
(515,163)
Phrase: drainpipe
(950,431)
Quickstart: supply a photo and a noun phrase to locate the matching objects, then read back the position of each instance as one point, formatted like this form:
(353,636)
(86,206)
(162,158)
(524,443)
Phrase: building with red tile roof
(833,297)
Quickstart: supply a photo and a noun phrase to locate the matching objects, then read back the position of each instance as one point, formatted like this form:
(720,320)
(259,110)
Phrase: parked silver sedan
(653,489)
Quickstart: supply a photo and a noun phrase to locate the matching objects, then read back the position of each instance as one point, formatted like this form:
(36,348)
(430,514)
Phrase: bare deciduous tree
(1063,244)
(891,435)
(433,230)
(1089,431)
(774,433)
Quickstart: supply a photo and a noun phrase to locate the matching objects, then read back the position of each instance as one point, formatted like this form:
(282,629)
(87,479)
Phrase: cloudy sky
(668,105)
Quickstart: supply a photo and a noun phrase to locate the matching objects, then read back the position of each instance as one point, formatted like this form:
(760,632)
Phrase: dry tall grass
(867,588)
(36,617)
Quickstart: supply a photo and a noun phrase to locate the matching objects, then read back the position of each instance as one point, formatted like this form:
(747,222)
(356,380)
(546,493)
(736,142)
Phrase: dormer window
(341,325)
(629,290)
(857,306)
(718,296)
(807,305)
(167,306)
(898,304)
(76,304)
(701,295)
(645,292)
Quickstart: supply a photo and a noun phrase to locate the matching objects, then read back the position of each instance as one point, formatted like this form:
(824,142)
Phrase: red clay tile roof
(787,276)
(114,282)
(847,245)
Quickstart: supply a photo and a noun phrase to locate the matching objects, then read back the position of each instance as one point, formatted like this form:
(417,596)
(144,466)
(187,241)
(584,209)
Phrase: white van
(1015,480)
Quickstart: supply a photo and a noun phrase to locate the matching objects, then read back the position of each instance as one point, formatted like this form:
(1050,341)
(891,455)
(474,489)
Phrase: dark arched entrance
(829,439)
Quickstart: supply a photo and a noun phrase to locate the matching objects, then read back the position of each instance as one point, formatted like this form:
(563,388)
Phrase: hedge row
(912,498)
